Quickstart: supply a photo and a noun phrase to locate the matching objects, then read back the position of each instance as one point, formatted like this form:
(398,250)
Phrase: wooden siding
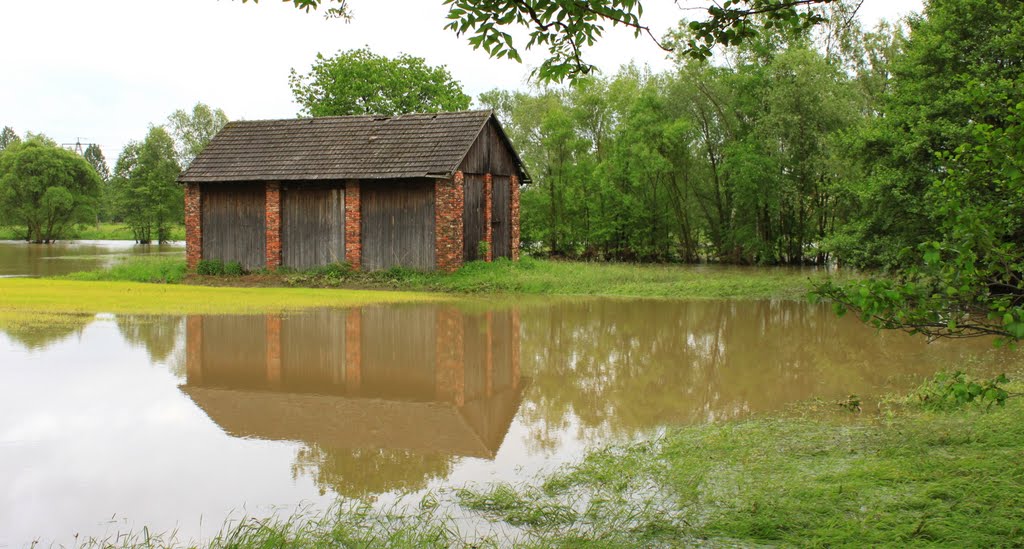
(312,226)
(397,224)
(501,214)
(489,154)
(313,352)
(399,347)
(473,216)
(234,224)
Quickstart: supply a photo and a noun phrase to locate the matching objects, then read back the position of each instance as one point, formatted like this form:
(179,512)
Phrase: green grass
(528,276)
(105,231)
(909,476)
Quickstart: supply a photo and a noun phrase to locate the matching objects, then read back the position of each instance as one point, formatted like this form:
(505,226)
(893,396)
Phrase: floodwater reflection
(178,421)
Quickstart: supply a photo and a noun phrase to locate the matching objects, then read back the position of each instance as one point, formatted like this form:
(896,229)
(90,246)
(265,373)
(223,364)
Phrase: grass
(912,475)
(28,296)
(104,231)
(528,276)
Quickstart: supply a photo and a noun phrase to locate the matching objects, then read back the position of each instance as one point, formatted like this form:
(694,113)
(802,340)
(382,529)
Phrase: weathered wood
(234,224)
(312,226)
(313,352)
(489,154)
(473,216)
(398,346)
(397,224)
(501,214)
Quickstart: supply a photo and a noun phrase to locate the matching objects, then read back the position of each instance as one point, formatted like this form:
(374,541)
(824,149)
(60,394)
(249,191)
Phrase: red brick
(353,226)
(273,204)
(488,215)
(193,225)
(449,199)
(514,185)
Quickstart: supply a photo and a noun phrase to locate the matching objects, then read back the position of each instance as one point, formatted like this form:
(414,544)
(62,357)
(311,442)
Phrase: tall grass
(138,269)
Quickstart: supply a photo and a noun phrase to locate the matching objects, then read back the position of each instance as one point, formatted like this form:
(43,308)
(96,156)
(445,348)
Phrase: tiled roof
(339,147)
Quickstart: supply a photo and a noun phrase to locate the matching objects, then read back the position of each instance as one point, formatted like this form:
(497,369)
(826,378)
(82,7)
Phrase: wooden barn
(416,190)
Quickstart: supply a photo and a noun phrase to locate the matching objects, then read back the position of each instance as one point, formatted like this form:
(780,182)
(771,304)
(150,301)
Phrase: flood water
(18,258)
(180,422)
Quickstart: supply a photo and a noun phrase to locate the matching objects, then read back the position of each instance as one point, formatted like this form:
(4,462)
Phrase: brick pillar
(514,217)
(273,323)
(449,356)
(353,225)
(273,204)
(516,352)
(488,215)
(194,350)
(353,351)
(449,198)
(193,224)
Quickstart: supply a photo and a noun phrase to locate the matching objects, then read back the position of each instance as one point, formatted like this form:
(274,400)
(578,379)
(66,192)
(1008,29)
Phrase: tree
(193,131)
(362,82)
(94,156)
(146,194)
(8,137)
(567,27)
(46,189)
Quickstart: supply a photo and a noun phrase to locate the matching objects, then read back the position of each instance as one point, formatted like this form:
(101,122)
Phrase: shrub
(233,268)
(211,267)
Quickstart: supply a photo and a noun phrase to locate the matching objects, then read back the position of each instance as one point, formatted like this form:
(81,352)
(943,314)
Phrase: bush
(233,268)
(211,267)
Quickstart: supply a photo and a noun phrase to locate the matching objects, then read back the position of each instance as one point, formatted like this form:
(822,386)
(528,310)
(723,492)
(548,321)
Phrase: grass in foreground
(917,474)
(24,296)
(528,276)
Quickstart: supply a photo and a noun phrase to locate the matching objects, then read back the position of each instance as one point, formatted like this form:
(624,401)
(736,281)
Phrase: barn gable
(416,190)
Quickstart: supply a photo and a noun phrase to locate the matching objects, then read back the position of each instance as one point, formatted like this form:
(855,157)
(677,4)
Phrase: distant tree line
(45,190)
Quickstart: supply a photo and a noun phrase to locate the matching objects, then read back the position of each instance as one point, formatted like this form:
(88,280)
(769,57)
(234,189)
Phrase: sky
(103,71)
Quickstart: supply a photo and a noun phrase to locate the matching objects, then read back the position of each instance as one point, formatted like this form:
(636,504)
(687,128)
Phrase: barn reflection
(381,397)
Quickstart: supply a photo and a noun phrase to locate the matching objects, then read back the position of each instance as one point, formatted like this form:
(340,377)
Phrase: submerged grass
(911,476)
(22,295)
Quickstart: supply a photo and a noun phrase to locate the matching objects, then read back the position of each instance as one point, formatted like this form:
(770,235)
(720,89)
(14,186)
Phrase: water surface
(18,258)
(180,422)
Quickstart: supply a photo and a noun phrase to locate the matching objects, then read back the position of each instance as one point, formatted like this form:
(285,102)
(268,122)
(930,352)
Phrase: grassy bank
(26,296)
(103,231)
(914,474)
(528,276)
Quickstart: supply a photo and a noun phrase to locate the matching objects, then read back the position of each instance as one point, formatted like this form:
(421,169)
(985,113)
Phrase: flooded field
(180,422)
(19,258)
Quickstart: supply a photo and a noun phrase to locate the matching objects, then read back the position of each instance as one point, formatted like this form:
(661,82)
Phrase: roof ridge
(366,116)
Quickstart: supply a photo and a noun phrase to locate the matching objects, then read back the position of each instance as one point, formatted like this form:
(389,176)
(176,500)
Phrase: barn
(418,190)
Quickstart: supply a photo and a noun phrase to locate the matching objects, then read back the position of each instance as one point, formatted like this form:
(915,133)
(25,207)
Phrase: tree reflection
(157,334)
(40,330)
(363,472)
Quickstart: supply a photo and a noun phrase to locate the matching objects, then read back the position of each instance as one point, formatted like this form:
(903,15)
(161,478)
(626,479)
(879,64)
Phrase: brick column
(353,225)
(353,351)
(273,204)
(514,216)
(273,323)
(488,216)
(449,357)
(194,350)
(449,198)
(193,225)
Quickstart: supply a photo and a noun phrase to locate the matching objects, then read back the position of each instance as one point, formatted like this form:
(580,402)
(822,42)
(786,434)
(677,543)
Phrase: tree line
(45,189)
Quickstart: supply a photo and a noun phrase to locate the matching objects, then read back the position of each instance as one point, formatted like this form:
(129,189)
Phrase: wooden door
(398,225)
(501,214)
(312,226)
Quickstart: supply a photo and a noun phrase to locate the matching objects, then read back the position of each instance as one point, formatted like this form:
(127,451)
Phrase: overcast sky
(104,70)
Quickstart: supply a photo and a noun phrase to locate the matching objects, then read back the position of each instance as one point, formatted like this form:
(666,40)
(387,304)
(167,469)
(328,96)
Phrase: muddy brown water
(180,422)
(18,258)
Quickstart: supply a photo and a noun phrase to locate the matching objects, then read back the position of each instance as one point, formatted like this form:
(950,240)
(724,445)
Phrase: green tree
(94,156)
(193,131)
(362,82)
(46,189)
(567,27)
(8,137)
(146,194)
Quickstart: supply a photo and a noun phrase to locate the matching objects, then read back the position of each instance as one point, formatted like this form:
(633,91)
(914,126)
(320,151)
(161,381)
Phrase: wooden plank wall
(489,154)
(397,224)
(473,216)
(313,352)
(501,214)
(312,226)
(234,224)
(399,348)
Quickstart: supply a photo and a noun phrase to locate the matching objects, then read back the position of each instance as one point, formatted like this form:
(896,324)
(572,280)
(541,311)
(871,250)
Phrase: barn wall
(489,154)
(473,216)
(312,225)
(397,224)
(234,223)
(501,215)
